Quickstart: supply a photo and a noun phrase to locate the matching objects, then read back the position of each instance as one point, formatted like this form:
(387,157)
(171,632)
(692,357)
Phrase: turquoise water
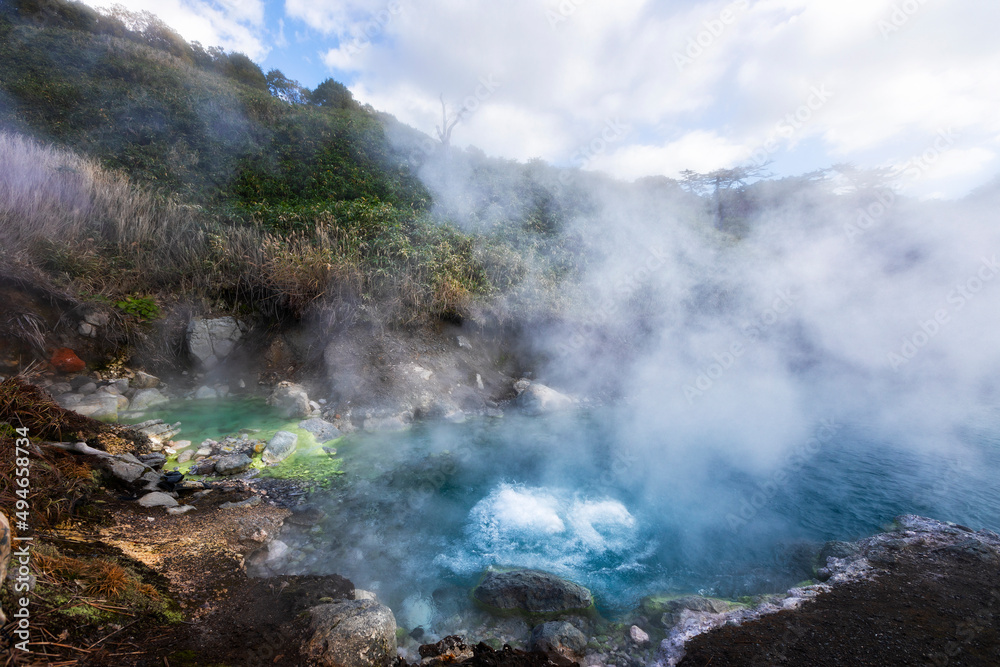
(423,513)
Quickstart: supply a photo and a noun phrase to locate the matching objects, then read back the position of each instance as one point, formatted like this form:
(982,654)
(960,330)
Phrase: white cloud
(235,25)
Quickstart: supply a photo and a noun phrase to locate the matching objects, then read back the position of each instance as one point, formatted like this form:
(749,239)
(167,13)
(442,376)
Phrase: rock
(322,429)
(87,329)
(205,393)
(5,540)
(361,594)
(558,637)
(185,456)
(638,636)
(97,318)
(180,509)
(103,407)
(537,399)
(521,385)
(531,591)
(673,609)
(276,550)
(87,389)
(233,464)
(144,381)
(211,340)
(120,385)
(306,516)
(353,633)
(153,460)
(252,501)
(59,388)
(158,499)
(281,446)
(127,472)
(449,651)
(291,398)
(147,398)
(69,400)
(386,424)
(455,417)
(203,451)
(65,360)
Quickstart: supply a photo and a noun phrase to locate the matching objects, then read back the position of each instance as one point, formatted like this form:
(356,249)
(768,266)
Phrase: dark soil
(930,608)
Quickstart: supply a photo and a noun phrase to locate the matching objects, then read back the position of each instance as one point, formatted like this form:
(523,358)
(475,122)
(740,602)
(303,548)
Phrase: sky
(638,88)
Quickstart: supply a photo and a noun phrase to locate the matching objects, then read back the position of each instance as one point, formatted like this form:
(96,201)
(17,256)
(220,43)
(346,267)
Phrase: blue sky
(636,87)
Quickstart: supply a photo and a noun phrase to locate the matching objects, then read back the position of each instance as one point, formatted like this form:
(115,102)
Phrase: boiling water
(419,515)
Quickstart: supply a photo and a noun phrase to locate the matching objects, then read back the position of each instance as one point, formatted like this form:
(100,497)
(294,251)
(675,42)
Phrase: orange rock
(65,360)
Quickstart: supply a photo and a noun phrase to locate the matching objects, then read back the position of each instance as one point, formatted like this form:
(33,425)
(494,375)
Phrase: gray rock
(211,340)
(97,318)
(322,429)
(232,464)
(79,381)
(120,385)
(638,636)
(386,424)
(353,633)
(127,472)
(674,609)
(86,329)
(158,499)
(59,388)
(68,400)
(281,446)
(180,509)
(103,407)
(558,637)
(87,389)
(537,399)
(153,460)
(185,456)
(147,398)
(291,398)
(144,381)
(205,393)
(531,591)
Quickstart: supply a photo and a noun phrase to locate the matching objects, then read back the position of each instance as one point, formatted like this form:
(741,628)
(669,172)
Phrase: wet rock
(291,398)
(673,608)
(322,429)
(537,399)
(449,651)
(158,499)
(558,637)
(102,407)
(531,591)
(638,636)
(204,393)
(211,340)
(147,398)
(144,381)
(353,633)
(233,464)
(65,360)
(185,456)
(281,446)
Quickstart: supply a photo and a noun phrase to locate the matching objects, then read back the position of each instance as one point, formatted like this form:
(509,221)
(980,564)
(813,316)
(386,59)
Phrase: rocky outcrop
(291,399)
(353,633)
(531,591)
(560,638)
(281,446)
(537,399)
(211,340)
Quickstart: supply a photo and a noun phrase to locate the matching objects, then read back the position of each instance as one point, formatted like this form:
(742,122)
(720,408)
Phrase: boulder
(353,633)
(558,637)
(144,381)
(537,399)
(103,407)
(147,398)
(211,340)
(531,591)
(127,472)
(205,393)
(233,464)
(65,360)
(322,429)
(281,446)
(158,499)
(291,398)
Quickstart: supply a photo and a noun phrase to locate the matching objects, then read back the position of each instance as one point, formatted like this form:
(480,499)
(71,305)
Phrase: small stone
(185,456)
(281,446)
(158,499)
(144,381)
(86,329)
(233,464)
(180,509)
(638,635)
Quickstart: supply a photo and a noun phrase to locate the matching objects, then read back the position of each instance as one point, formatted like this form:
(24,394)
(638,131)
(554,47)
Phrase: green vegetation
(144,308)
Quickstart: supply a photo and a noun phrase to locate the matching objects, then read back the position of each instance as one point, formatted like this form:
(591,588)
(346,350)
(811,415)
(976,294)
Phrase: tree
(286,89)
(727,188)
(333,95)
(444,130)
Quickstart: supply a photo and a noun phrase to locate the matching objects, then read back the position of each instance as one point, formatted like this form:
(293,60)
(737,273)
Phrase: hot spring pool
(418,515)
